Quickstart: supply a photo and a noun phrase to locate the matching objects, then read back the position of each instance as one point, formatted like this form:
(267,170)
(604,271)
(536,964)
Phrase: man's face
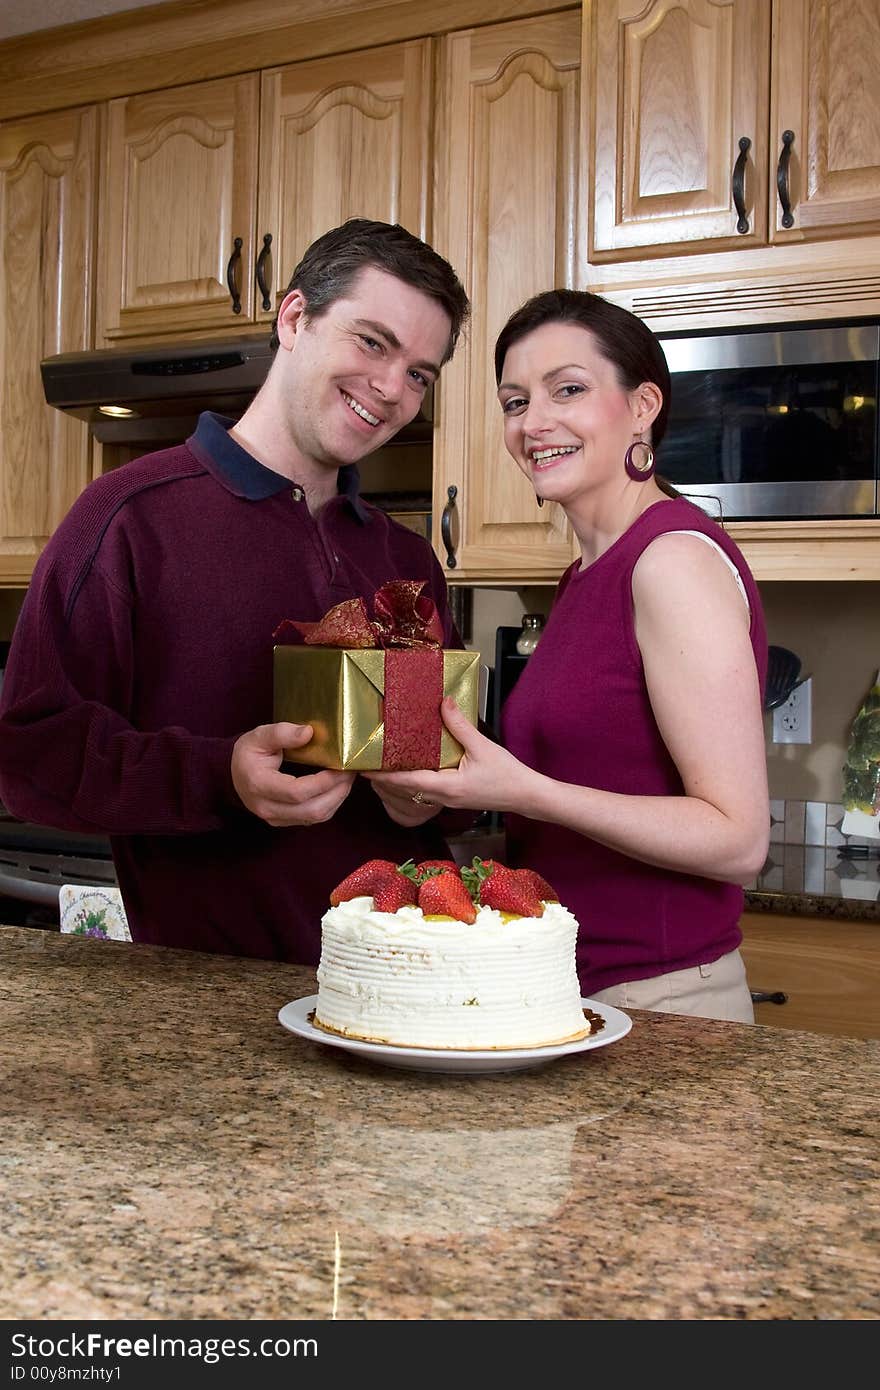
(357,374)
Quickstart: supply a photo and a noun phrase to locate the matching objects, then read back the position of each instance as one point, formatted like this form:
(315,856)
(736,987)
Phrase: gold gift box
(340,692)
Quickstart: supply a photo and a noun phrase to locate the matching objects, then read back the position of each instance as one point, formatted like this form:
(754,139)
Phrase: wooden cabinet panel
(178,205)
(810,550)
(48,181)
(508,216)
(342,137)
(825,91)
(308,145)
(678,84)
(828,968)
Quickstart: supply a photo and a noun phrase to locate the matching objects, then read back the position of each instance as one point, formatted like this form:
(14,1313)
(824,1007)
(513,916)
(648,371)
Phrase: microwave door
(779,423)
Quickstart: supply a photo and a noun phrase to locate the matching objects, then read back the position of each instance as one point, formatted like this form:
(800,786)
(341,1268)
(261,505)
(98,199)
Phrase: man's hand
(276,797)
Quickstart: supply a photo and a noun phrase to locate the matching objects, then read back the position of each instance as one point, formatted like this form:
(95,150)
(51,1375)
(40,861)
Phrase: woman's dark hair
(622,338)
(331,263)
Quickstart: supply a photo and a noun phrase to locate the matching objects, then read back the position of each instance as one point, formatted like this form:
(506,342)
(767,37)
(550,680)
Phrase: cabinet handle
(261,271)
(769,996)
(446,527)
(231,276)
(738,185)
(782,178)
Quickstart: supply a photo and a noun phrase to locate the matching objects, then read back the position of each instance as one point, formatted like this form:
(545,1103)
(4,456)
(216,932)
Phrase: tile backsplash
(810,823)
(804,859)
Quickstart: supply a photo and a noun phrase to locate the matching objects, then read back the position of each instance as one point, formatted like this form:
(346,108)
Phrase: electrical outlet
(793,721)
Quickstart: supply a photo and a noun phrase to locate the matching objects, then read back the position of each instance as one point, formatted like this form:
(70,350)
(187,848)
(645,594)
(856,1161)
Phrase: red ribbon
(407,625)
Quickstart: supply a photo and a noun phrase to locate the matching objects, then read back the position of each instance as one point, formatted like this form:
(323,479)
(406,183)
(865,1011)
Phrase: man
(144,646)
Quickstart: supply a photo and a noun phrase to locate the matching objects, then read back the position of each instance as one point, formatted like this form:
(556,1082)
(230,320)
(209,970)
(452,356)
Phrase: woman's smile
(548,454)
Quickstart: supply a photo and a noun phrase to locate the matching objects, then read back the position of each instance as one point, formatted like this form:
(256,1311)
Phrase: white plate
(295,1018)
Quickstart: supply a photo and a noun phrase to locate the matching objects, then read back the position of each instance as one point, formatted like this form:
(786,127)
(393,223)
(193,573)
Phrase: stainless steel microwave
(777,422)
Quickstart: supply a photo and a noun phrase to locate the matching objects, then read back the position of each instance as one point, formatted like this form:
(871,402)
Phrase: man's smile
(360,410)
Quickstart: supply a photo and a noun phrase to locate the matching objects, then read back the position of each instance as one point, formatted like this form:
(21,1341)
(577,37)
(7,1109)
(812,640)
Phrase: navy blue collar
(245,476)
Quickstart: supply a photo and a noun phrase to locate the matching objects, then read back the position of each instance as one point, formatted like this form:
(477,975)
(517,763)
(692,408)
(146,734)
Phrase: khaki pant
(718,990)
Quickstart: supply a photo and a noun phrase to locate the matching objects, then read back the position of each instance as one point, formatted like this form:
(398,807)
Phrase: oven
(35,861)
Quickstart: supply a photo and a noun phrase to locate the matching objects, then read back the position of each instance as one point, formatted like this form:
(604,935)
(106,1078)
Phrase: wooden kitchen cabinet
(508,215)
(644,124)
(677,85)
(178,209)
(804,551)
(214,190)
(342,137)
(829,969)
(701,105)
(48,195)
(823,88)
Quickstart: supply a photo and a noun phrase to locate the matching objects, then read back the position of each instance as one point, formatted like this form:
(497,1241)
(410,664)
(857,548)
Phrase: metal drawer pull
(766,996)
(261,271)
(446,527)
(231,277)
(782,178)
(738,185)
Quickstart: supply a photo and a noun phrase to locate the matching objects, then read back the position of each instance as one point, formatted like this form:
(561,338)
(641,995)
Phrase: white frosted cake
(416,979)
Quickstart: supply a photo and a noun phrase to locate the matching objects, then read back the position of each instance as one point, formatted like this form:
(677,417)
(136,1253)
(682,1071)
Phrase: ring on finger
(421,800)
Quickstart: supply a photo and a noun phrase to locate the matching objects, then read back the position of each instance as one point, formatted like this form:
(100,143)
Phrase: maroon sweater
(580,713)
(144,649)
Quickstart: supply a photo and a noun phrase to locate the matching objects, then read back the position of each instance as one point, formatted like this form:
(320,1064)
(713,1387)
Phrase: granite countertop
(170,1152)
(800,904)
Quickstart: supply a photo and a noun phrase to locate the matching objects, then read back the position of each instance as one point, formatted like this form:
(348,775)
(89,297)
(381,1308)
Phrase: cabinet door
(179,196)
(678,85)
(341,137)
(828,969)
(507,217)
(825,93)
(48,185)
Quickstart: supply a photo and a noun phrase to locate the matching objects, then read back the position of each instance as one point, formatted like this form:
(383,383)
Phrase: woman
(633,773)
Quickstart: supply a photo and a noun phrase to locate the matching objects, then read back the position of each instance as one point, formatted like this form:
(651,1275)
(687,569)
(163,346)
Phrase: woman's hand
(487,779)
(400,805)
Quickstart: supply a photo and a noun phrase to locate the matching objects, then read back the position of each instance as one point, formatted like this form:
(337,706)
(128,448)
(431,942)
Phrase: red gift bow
(404,617)
(407,625)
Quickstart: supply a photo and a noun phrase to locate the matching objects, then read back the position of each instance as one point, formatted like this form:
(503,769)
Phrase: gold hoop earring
(639,472)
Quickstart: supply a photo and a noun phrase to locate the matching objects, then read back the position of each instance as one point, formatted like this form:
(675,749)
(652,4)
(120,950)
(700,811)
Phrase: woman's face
(567,420)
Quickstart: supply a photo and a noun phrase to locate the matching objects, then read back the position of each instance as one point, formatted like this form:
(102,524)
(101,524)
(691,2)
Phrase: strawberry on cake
(430,955)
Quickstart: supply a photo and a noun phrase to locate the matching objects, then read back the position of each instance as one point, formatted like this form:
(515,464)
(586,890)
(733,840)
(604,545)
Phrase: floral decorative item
(93,912)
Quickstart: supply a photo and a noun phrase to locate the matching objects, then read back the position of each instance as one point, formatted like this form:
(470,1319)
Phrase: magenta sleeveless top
(580,713)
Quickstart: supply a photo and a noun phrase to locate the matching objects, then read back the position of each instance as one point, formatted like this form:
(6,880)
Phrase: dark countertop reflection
(818,881)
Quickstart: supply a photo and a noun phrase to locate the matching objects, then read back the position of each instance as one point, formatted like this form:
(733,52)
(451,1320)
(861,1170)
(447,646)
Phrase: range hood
(154,395)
